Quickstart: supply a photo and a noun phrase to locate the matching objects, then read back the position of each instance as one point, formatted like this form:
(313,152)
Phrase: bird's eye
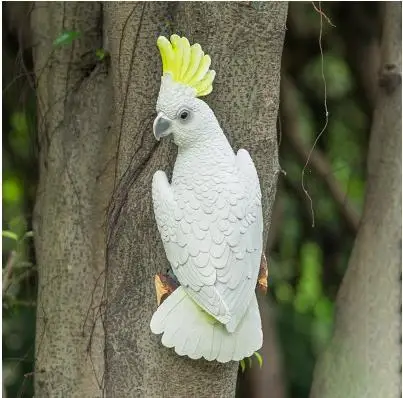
(184,115)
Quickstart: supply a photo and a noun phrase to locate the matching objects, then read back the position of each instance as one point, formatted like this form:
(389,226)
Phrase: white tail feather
(192,332)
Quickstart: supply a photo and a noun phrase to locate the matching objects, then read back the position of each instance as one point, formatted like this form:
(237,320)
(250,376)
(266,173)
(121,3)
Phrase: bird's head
(186,76)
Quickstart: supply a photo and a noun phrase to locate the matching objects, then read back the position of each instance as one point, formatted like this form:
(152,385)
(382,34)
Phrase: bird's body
(211,224)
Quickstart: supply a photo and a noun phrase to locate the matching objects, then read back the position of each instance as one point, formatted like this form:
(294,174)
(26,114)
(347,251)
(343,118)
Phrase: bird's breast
(206,193)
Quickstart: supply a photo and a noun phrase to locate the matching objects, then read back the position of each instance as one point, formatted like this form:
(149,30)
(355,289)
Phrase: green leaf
(10,235)
(339,80)
(20,135)
(284,292)
(12,190)
(250,362)
(18,225)
(242,363)
(259,358)
(29,234)
(66,38)
(19,122)
(100,54)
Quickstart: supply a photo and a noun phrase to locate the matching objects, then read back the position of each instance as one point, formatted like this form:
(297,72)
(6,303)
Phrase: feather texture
(192,332)
(211,224)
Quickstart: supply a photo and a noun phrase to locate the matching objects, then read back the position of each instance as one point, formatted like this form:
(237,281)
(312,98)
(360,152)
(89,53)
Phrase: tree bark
(74,111)
(245,46)
(364,356)
(97,244)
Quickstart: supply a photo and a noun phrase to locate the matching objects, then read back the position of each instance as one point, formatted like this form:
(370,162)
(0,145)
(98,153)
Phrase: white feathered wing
(211,225)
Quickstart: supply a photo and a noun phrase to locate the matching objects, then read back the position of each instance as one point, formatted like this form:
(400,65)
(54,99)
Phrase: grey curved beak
(161,126)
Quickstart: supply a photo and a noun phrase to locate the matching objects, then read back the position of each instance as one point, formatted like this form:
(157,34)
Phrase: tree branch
(8,270)
(318,161)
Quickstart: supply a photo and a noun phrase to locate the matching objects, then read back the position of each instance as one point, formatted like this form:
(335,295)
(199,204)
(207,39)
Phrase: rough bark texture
(245,45)
(73,117)
(93,217)
(364,356)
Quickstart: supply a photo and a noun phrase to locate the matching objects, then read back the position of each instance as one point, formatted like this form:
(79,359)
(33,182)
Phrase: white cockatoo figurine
(209,217)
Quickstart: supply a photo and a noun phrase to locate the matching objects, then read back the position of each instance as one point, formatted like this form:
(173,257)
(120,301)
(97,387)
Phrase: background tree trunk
(364,357)
(74,113)
(97,244)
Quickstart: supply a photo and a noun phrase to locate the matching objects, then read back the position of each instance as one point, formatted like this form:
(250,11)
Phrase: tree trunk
(364,356)
(74,113)
(97,244)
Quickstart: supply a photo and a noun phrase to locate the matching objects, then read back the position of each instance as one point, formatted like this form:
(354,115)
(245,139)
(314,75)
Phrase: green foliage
(306,122)
(307,264)
(348,164)
(19,135)
(101,54)
(309,287)
(259,358)
(250,361)
(12,192)
(66,38)
(339,81)
(18,271)
(10,235)
(242,364)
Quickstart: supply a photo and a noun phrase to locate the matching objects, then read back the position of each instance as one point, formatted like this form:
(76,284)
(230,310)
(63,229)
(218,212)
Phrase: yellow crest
(187,64)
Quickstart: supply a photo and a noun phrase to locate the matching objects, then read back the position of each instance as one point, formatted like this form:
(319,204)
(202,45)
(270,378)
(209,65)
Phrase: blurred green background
(306,263)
